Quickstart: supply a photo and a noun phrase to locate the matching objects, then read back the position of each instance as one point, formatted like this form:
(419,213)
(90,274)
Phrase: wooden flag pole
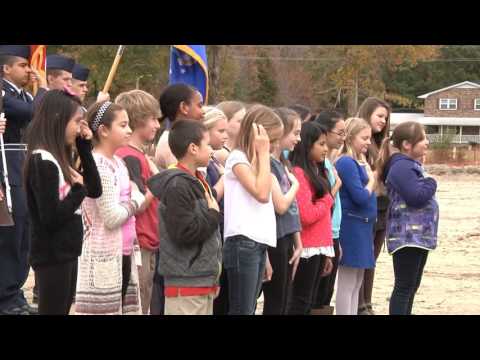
(113,69)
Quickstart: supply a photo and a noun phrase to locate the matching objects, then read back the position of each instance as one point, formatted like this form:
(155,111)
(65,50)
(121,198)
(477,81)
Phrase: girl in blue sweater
(377,113)
(412,221)
(359,212)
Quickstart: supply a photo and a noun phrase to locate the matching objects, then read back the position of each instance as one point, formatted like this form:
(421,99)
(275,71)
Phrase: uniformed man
(59,72)
(80,85)
(80,81)
(14,240)
(59,76)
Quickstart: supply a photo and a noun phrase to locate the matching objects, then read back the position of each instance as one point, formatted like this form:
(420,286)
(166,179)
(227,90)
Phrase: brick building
(453,110)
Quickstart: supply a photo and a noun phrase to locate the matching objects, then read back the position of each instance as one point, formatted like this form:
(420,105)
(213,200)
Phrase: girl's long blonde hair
(353,126)
(261,115)
(230,108)
(212,116)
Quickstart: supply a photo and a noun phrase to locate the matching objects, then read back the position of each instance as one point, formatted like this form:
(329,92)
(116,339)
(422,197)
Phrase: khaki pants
(189,305)
(145,274)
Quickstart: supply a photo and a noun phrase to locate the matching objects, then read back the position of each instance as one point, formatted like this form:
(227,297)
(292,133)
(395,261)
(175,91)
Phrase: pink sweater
(315,216)
(128,228)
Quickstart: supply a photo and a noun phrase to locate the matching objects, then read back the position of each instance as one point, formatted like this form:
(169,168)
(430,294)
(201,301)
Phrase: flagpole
(113,69)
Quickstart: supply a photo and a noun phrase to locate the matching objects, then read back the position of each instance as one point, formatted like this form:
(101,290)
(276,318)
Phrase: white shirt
(17,89)
(244,215)
(327,251)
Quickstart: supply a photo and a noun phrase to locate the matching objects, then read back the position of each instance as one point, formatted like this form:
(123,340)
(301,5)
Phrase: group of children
(204,210)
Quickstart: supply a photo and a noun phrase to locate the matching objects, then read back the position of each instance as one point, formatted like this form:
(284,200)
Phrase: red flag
(38,61)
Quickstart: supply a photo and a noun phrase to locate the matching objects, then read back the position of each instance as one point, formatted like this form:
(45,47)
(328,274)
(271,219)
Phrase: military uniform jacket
(18,110)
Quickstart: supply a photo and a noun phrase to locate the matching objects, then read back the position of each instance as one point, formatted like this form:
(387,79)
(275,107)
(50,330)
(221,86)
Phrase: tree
(295,81)
(360,72)
(321,77)
(213,58)
(267,89)
(223,71)
(149,63)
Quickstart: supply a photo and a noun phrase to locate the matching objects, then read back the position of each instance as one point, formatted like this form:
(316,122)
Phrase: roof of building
(462,85)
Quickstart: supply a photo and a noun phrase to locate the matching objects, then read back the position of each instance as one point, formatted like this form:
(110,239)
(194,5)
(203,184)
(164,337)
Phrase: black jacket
(190,247)
(57,232)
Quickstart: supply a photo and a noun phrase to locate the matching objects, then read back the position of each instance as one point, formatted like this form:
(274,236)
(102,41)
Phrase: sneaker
(30,309)
(23,304)
(15,310)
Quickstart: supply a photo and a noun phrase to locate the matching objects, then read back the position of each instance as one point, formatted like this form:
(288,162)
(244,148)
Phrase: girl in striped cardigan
(105,267)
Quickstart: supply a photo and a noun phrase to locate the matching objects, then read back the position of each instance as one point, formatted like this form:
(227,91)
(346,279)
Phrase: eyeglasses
(341,133)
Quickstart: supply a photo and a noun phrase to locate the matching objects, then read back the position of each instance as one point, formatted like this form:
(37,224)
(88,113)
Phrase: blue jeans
(244,261)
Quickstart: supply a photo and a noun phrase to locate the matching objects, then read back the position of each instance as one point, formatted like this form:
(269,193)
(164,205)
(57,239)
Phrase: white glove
(3,123)
(103,96)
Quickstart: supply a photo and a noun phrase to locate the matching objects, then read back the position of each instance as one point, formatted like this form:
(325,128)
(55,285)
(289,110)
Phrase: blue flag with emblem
(188,64)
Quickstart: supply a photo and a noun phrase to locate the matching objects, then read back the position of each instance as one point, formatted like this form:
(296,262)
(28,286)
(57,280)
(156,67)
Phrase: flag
(38,60)
(188,64)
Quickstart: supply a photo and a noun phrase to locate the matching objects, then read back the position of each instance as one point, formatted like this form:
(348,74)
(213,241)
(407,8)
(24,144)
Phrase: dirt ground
(451,281)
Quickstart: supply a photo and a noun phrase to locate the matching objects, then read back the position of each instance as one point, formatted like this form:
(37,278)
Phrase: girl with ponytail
(413,213)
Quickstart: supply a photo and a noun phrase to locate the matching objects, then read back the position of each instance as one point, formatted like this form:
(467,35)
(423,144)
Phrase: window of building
(448,104)
(477,104)
(451,130)
(432,129)
(471,130)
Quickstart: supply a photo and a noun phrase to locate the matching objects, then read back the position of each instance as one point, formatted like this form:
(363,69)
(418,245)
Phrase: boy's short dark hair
(7,60)
(184,133)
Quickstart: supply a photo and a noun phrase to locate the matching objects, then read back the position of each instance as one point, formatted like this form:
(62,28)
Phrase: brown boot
(324,310)
(316,311)
(328,310)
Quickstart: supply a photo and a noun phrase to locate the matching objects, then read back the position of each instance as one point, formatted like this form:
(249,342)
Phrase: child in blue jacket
(412,222)
(359,213)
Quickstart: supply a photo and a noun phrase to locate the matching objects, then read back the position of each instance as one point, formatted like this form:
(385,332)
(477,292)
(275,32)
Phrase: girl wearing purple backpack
(412,221)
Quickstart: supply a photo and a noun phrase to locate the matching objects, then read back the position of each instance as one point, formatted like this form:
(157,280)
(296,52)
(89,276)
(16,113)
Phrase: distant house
(452,110)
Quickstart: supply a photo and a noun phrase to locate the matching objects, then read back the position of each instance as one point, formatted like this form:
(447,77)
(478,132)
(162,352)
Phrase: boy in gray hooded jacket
(190,249)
